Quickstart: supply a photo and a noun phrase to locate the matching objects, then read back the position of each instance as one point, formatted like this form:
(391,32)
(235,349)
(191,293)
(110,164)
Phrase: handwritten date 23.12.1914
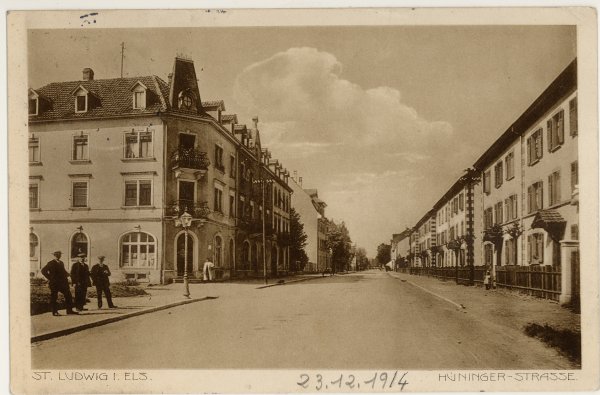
(378,381)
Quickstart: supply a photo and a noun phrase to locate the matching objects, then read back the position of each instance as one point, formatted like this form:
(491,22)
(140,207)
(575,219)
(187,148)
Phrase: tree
(384,253)
(297,242)
(361,258)
(340,244)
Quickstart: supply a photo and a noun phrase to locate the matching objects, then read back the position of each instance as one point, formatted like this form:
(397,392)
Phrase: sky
(381,120)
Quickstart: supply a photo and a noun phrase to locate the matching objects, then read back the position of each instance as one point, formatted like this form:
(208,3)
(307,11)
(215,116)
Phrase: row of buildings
(517,205)
(114,163)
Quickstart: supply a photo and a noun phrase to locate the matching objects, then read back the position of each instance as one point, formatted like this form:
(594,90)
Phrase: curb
(287,282)
(68,331)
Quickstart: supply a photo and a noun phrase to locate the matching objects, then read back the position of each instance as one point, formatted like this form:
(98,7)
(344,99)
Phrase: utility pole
(122,57)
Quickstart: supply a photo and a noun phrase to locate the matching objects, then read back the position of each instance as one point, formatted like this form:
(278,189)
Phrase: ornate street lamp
(185,221)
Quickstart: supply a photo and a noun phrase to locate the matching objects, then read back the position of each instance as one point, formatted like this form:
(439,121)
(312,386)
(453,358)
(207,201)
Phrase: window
(535,147)
(138,193)
(574,175)
(461,202)
(187,195)
(33,106)
(34,242)
(487,182)
(535,248)
(80,147)
(488,254)
(510,166)
(34,197)
(80,194)
(510,208)
(488,218)
(575,232)
(242,206)
(573,116)
(218,251)
(139,96)
(556,130)
(81,102)
(219,158)
(138,144)
(510,251)
(232,166)
(535,197)
(498,175)
(218,203)
(79,244)
(138,249)
(554,188)
(231,204)
(34,149)
(498,214)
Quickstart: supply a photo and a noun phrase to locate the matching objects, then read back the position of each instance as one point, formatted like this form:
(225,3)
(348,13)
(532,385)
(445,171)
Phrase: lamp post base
(186,286)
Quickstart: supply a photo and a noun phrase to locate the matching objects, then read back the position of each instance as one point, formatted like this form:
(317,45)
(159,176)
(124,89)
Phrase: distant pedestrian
(207,270)
(80,276)
(100,273)
(487,280)
(58,281)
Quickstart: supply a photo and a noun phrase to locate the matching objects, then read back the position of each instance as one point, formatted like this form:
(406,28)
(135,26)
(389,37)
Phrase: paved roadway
(365,320)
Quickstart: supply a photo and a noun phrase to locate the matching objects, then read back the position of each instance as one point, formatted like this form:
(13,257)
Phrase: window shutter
(540,247)
(561,127)
(540,196)
(541,144)
(528,248)
(550,142)
(557,187)
(530,198)
(529,151)
(515,206)
(573,117)
(550,188)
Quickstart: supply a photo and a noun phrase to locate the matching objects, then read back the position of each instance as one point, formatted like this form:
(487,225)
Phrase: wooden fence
(540,281)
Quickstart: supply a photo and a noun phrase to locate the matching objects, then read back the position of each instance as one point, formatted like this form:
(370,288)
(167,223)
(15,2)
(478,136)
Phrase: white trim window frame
(138,144)
(34,149)
(81,185)
(141,193)
(510,165)
(139,97)
(554,188)
(556,130)
(218,198)
(80,148)
(33,105)
(81,106)
(139,253)
(34,194)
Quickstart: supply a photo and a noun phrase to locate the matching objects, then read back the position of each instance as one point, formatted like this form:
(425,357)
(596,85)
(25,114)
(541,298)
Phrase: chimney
(295,178)
(88,74)
(170,78)
(255,120)
(300,181)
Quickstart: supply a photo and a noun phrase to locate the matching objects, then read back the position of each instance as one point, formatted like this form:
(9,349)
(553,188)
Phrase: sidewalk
(500,306)
(45,326)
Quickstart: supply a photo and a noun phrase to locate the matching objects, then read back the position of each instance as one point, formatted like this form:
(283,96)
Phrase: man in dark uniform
(80,276)
(58,281)
(100,273)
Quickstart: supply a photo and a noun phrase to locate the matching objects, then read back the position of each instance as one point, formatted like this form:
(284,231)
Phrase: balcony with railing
(189,160)
(198,210)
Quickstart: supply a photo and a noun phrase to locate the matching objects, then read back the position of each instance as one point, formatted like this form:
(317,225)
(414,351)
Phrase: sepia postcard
(303,200)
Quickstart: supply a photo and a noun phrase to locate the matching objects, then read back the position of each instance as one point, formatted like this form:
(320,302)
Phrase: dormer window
(139,95)
(81,99)
(186,100)
(34,103)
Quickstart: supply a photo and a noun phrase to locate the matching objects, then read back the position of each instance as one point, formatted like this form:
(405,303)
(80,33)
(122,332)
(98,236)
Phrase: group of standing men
(81,278)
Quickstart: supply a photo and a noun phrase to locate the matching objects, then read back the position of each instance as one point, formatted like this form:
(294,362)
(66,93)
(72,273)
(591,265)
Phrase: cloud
(367,151)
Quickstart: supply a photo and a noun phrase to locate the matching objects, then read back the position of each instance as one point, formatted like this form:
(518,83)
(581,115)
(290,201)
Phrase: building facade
(115,162)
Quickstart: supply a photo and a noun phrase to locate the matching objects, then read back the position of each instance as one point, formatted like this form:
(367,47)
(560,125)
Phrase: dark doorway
(274,262)
(186,141)
(181,255)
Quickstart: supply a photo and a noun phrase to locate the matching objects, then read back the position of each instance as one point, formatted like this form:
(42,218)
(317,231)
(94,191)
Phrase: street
(366,320)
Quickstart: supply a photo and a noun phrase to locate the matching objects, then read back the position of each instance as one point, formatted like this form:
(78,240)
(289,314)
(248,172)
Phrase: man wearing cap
(100,273)
(58,281)
(80,276)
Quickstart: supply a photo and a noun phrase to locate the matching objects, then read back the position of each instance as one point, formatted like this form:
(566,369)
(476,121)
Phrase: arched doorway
(79,244)
(274,261)
(181,254)
(218,251)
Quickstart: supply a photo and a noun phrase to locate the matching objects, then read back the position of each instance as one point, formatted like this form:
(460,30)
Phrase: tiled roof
(229,117)
(547,217)
(111,97)
(213,104)
(239,127)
